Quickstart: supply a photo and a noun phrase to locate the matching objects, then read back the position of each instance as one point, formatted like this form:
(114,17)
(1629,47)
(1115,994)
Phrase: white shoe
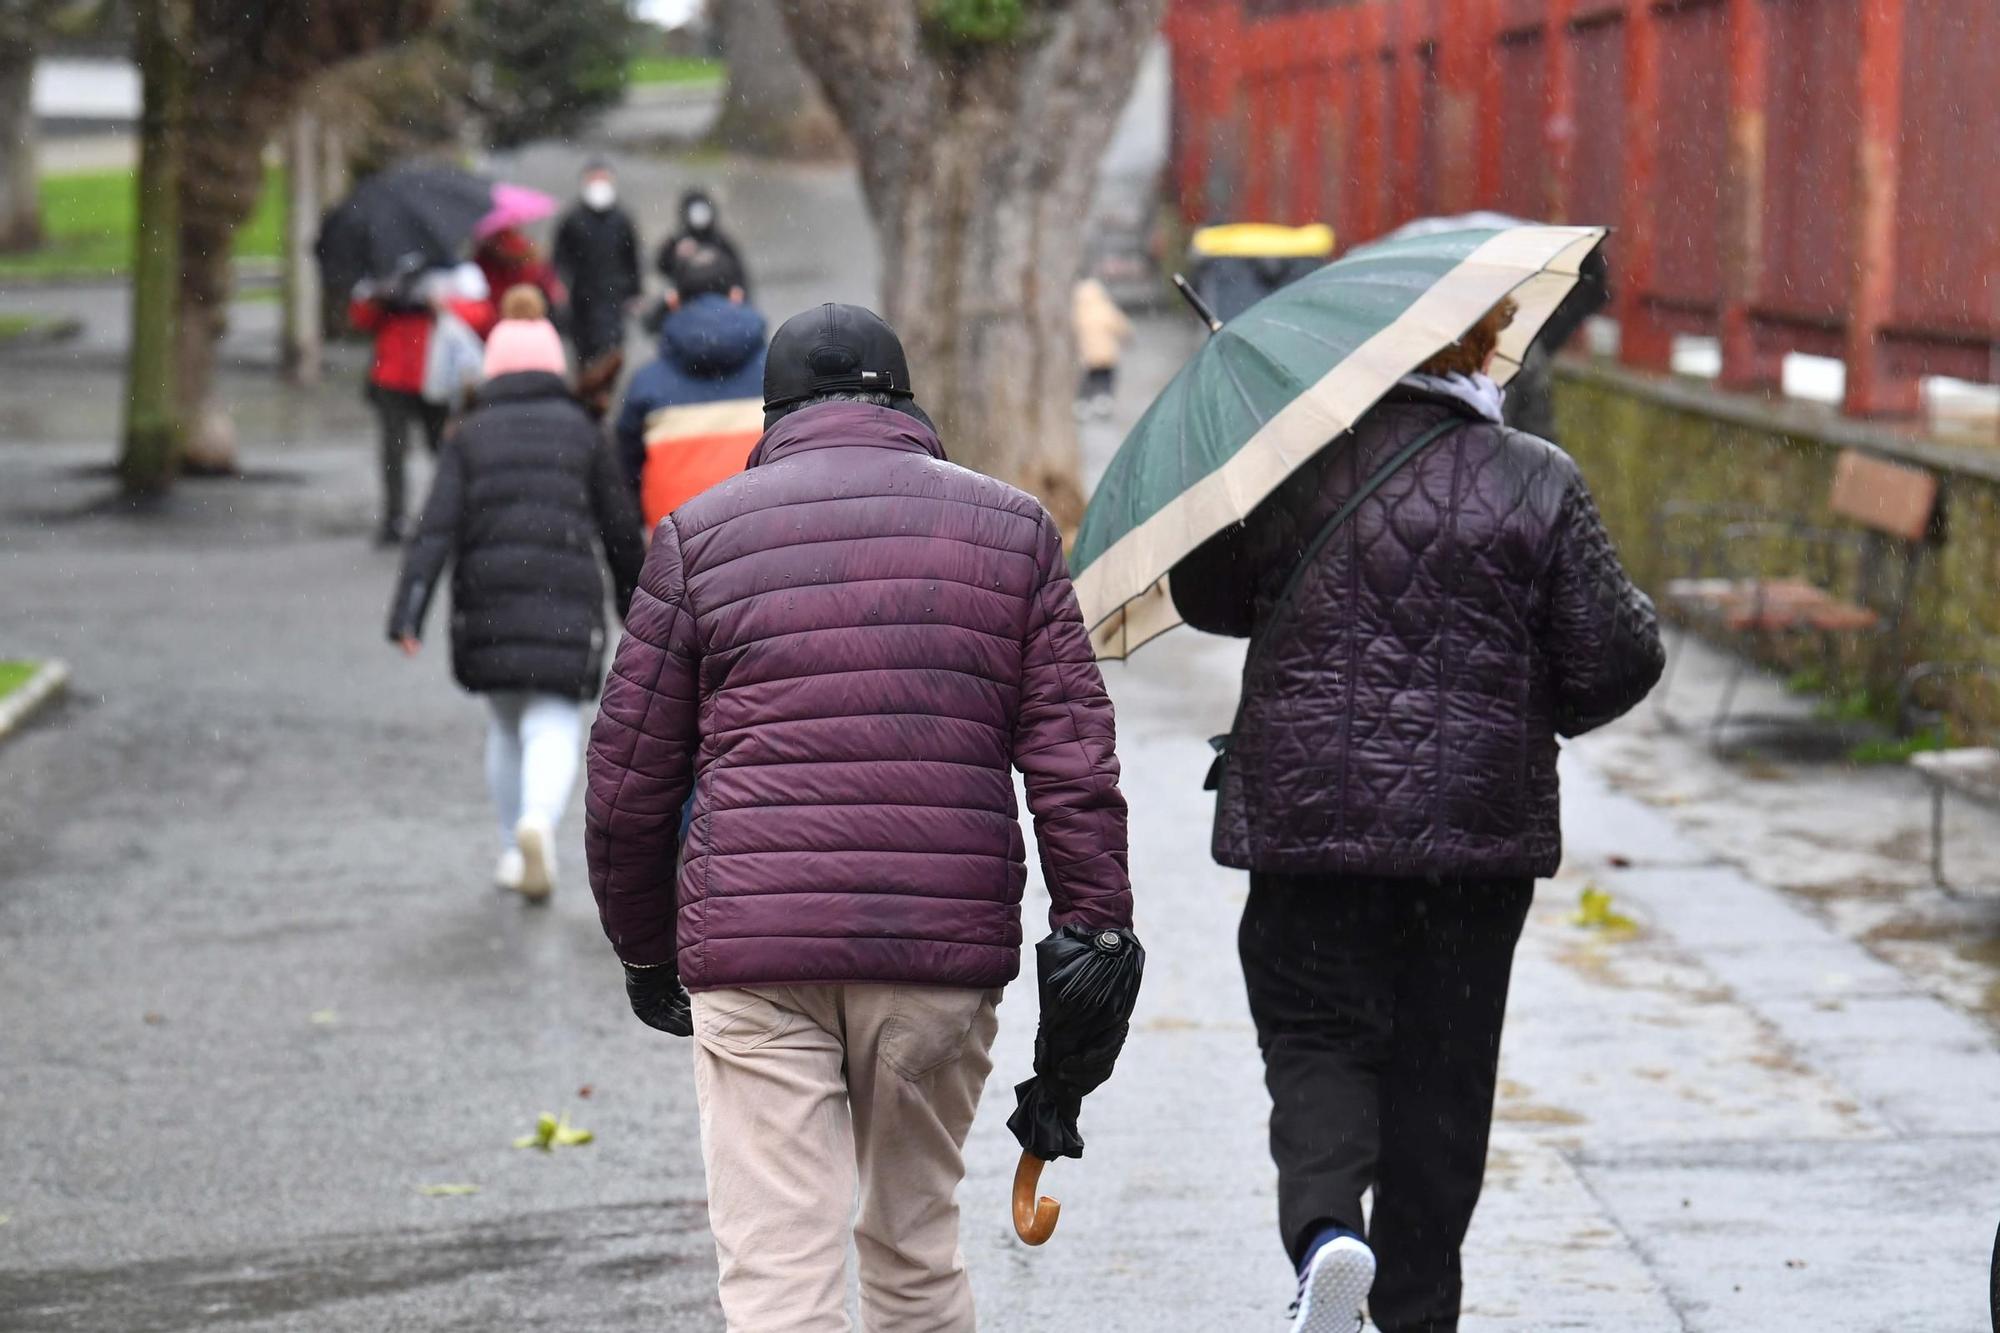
(507,874)
(537,842)
(1333,1287)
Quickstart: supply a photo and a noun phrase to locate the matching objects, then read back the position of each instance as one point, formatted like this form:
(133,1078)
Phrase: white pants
(810,1092)
(534,743)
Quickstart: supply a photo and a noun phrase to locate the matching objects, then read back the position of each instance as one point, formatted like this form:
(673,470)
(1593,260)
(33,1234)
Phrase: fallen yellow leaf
(446,1191)
(552,1132)
(1593,912)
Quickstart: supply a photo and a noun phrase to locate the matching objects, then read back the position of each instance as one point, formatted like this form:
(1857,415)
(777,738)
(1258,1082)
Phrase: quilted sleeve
(432,545)
(641,761)
(1215,586)
(1065,747)
(617,525)
(1603,638)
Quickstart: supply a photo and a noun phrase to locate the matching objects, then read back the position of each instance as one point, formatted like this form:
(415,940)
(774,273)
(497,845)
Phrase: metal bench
(1970,772)
(1888,511)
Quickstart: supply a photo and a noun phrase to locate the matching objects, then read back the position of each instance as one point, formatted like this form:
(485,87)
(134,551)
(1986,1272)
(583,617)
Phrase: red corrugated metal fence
(1787,175)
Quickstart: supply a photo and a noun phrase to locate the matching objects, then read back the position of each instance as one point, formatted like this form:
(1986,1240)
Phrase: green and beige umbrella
(1280,382)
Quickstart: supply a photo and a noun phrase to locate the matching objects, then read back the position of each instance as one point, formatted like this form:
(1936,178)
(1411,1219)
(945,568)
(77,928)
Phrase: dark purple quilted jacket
(844,653)
(1401,719)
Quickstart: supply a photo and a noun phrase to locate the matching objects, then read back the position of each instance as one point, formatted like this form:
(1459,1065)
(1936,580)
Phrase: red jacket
(844,653)
(403,335)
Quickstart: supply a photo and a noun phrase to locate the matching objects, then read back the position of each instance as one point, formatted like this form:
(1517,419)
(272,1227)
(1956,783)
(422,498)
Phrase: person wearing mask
(401,313)
(525,497)
(692,413)
(597,257)
(1390,785)
(840,658)
(699,227)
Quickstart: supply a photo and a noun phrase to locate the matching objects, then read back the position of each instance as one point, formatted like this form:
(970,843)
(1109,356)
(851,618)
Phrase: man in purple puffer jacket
(839,657)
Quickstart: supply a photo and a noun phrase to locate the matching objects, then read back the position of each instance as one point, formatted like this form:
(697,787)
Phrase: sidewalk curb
(55,329)
(248,273)
(43,688)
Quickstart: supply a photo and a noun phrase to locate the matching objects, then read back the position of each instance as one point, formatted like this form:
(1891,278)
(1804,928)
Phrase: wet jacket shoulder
(525,497)
(1400,715)
(841,656)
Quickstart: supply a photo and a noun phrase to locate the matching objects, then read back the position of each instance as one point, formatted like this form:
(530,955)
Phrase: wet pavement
(256,995)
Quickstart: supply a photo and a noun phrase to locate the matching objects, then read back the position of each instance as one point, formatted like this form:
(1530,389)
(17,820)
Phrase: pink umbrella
(513,206)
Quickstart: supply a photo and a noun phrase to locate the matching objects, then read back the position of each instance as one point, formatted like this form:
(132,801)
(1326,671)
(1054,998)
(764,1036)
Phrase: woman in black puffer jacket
(526,493)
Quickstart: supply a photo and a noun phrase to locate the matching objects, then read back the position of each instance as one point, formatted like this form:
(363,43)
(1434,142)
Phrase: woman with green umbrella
(1431,600)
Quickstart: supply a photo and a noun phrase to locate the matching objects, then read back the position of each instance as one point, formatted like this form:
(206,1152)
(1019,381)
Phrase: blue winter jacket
(711,350)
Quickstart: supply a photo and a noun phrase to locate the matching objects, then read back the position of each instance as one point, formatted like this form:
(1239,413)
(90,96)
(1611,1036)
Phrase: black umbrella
(401,221)
(1089,983)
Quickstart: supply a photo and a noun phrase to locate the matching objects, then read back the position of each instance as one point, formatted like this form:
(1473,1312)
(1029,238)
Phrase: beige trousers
(807,1091)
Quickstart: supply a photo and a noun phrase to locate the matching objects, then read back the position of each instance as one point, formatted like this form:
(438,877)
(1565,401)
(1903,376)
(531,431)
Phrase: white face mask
(700,217)
(599,193)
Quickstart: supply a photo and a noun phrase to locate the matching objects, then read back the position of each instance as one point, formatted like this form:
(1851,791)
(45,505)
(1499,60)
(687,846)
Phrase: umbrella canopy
(401,220)
(513,206)
(1281,381)
(1089,983)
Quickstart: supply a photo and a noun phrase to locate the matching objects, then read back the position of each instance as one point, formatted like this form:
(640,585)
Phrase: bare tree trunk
(771,104)
(153,423)
(978,161)
(20,191)
(303,301)
(257,59)
(224,174)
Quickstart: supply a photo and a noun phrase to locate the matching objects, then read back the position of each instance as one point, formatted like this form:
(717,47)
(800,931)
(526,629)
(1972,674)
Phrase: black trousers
(397,412)
(1378,1005)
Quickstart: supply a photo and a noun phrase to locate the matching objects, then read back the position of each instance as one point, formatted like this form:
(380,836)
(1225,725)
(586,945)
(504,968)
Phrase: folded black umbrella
(1089,983)
(401,221)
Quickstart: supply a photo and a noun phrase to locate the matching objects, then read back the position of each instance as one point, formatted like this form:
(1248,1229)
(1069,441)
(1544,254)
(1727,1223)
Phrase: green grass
(13,675)
(645,70)
(89,218)
(13,326)
(1899,751)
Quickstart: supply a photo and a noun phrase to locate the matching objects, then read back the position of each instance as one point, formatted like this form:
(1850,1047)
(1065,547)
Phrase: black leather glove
(659,999)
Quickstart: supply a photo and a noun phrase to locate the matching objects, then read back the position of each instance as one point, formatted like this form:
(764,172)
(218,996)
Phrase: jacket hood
(842,425)
(711,336)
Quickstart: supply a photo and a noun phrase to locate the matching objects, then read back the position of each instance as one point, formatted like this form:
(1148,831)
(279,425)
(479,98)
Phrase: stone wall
(1652,447)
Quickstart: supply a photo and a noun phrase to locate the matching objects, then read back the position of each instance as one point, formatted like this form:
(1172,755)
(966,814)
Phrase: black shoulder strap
(1283,601)
(1339,519)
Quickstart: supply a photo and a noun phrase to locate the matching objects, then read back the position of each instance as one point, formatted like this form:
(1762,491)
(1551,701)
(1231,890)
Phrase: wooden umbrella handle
(1034,1219)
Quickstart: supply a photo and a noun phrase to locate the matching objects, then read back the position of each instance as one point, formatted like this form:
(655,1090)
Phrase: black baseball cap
(834,349)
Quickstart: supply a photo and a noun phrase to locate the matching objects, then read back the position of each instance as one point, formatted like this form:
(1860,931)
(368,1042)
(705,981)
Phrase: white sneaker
(537,842)
(1333,1287)
(507,874)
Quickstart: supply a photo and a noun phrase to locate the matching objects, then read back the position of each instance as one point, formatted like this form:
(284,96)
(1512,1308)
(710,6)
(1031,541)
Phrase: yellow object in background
(1263,240)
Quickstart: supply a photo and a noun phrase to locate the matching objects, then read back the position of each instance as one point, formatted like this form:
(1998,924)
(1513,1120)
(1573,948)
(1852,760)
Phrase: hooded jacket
(526,492)
(692,413)
(843,654)
(1399,717)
